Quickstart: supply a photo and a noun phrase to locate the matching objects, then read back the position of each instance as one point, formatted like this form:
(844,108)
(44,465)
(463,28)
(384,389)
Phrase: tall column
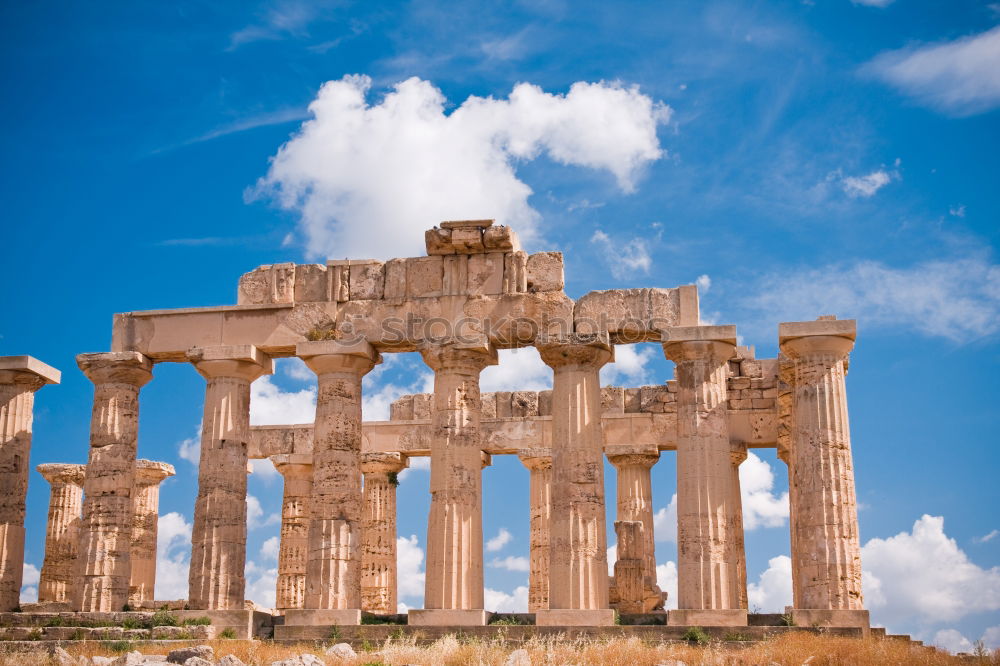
(708,530)
(454,573)
(635,500)
(378,536)
(62,531)
(104,557)
(578,566)
(826,554)
(293,553)
(735,539)
(219,538)
(146,516)
(333,569)
(539,463)
(20,377)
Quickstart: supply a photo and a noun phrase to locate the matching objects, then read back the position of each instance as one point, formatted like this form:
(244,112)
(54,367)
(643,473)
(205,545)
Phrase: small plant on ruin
(35,635)
(134,623)
(393,479)
(118,647)
(127,608)
(78,635)
(507,620)
(787,620)
(56,621)
(162,618)
(334,634)
(321,333)
(696,635)
(736,637)
(197,621)
(228,633)
(366,646)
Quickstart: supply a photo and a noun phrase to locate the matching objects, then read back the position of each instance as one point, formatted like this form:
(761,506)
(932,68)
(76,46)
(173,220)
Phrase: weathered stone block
(633,400)
(468,241)
(515,273)
(649,397)
(422,404)
(631,315)
(545,272)
(283,283)
(401,409)
(424,277)
(311,283)
(503,404)
(485,277)
(613,400)
(367,280)
(438,241)
(500,239)
(456,275)
(489,403)
(545,403)
(524,403)
(255,287)
(339,274)
(750,368)
(395,279)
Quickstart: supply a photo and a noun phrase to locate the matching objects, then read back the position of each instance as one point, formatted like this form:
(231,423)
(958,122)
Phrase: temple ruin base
(436,617)
(604,617)
(813,617)
(306,617)
(707,618)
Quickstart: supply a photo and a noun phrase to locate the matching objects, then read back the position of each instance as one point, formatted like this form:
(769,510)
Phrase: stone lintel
(842,328)
(699,334)
(632,450)
(560,617)
(246,353)
(689,314)
(694,617)
(291,458)
(312,348)
(31,365)
(466,224)
(435,617)
(312,617)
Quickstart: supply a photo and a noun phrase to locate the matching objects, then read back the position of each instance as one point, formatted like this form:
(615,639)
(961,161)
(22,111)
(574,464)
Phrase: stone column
(333,569)
(539,462)
(20,377)
(454,583)
(62,531)
(578,566)
(735,540)
(219,538)
(293,553)
(104,557)
(146,516)
(826,554)
(708,568)
(635,499)
(630,575)
(378,536)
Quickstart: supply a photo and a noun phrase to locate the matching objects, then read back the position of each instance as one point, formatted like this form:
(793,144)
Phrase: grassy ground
(789,650)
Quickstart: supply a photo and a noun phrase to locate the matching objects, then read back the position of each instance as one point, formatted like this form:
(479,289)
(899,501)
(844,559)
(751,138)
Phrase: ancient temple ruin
(475,292)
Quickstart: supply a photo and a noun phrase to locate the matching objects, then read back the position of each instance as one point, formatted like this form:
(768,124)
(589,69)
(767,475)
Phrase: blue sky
(793,158)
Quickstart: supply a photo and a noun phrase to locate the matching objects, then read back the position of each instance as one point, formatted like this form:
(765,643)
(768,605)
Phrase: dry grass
(788,650)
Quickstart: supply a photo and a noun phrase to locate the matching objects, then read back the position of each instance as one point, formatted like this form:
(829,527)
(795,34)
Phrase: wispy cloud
(283,18)
(987,537)
(624,258)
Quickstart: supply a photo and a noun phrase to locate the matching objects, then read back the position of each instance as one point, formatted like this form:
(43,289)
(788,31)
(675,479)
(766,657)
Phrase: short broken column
(62,531)
(293,551)
(635,498)
(708,568)
(578,565)
(378,536)
(453,591)
(539,464)
(333,569)
(218,542)
(20,377)
(105,554)
(826,553)
(630,576)
(146,515)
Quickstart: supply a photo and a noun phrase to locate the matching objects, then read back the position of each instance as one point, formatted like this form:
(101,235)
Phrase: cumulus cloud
(368,179)
(630,366)
(261,583)
(957,299)
(666,578)
(773,590)
(270,405)
(410,569)
(517,370)
(951,640)
(624,258)
(704,283)
(173,552)
(422,463)
(515,602)
(264,469)
(269,549)
(665,522)
(761,507)
(30,575)
(190,449)
(960,77)
(255,515)
(866,186)
(502,538)
(510,563)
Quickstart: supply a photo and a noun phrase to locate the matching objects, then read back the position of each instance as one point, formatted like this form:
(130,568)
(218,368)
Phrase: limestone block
(367,280)
(422,404)
(424,277)
(613,400)
(503,404)
(633,400)
(545,403)
(631,315)
(311,283)
(255,287)
(339,275)
(649,397)
(750,368)
(489,406)
(524,403)
(456,275)
(672,386)
(467,241)
(283,283)
(395,279)
(500,239)
(401,409)
(545,272)
(515,273)
(438,241)
(485,275)
(738,383)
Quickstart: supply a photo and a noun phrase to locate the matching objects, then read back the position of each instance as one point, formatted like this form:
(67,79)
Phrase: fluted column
(62,531)
(104,556)
(454,572)
(539,464)
(378,540)
(219,537)
(146,516)
(20,377)
(578,566)
(635,500)
(709,531)
(293,553)
(826,559)
(333,569)
(735,540)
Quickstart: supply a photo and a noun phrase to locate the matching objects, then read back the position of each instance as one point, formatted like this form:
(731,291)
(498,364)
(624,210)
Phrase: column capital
(536,458)
(151,472)
(474,355)
(27,371)
(737,452)
(116,367)
(323,356)
(645,459)
(592,350)
(375,462)
(293,464)
(692,343)
(63,473)
(238,361)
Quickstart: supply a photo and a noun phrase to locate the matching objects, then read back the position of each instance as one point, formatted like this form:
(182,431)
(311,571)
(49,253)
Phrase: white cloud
(515,602)
(173,552)
(761,507)
(517,370)
(957,211)
(502,538)
(924,576)
(255,515)
(264,469)
(624,258)
(283,18)
(190,449)
(30,575)
(269,549)
(270,405)
(612,556)
(951,640)
(511,563)
(295,368)
(991,638)
(961,77)
(666,578)
(872,3)
(867,185)
(704,283)
(665,522)
(773,590)
(987,537)
(630,367)
(422,463)
(367,180)
(409,567)
(261,583)
(958,299)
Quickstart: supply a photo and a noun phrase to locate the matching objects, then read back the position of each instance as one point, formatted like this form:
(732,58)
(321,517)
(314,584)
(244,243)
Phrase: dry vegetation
(790,649)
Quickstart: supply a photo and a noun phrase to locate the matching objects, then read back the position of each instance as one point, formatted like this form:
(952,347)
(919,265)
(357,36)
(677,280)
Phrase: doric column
(104,556)
(578,566)
(378,536)
(333,570)
(219,538)
(454,578)
(708,530)
(146,516)
(62,531)
(293,553)
(635,499)
(826,558)
(539,463)
(20,377)
(735,540)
